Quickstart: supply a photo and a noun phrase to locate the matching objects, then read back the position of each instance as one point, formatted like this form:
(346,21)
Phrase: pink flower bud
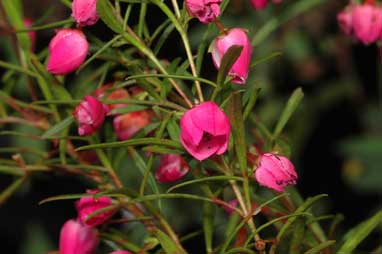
(76,238)
(275,172)
(67,51)
(235,36)
(172,167)
(90,114)
(205,130)
(88,205)
(205,10)
(345,20)
(121,252)
(259,4)
(85,12)
(367,22)
(32,34)
(127,125)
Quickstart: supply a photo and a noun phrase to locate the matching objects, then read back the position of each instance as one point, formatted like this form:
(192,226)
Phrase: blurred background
(335,137)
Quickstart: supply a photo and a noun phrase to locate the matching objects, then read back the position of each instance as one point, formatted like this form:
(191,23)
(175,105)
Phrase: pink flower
(76,238)
(85,12)
(87,205)
(275,172)
(234,36)
(259,4)
(67,51)
(32,34)
(121,252)
(205,10)
(172,167)
(205,130)
(128,124)
(345,20)
(367,22)
(90,114)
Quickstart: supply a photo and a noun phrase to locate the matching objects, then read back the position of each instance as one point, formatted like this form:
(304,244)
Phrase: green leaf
(128,109)
(289,109)
(161,150)
(251,102)
(173,129)
(317,249)
(168,245)
(58,127)
(8,192)
(297,237)
(227,62)
(202,80)
(208,224)
(110,16)
(76,196)
(356,235)
(205,179)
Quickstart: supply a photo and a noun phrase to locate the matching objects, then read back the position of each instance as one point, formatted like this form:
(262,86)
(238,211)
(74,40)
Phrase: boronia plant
(188,136)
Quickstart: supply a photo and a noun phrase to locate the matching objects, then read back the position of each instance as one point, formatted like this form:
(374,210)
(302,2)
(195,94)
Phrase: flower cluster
(362,21)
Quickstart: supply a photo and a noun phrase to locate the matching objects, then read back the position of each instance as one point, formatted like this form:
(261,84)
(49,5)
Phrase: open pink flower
(275,172)
(85,12)
(67,51)
(172,167)
(259,4)
(205,10)
(76,238)
(126,125)
(367,22)
(345,20)
(234,36)
(205,130)
(88,205)
(90,114)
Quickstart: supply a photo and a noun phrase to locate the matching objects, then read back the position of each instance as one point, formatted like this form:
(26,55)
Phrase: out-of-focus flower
(67,51)
(121,252)
(118,94)
(88,205)
(172,167)
(90,114)
(76,238)
(32,34)
(205,10)
(345,19)
(367,22)
(128,124)
(85,12)
(275,172)
(205,130)
(238,37)
(259,4)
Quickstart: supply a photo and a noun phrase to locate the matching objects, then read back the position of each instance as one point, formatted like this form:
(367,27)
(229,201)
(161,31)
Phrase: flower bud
(234,36)
(85,12)
(345,20)
(67,51)
(204,130)
(367,22)
(205,10)
(172,167)
(76,238)
(32,34)
(90,114)
(275,172)
(128,124)
(259,4)
(88,205)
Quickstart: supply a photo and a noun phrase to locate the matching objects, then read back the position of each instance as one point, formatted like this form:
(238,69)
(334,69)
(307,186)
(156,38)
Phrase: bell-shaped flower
(367,22)
(275,172)
(90,114)
(205,10)
(172,167)
(67,51)
(76,238)
(85,12)
(238,37)
(205,130)
(126,125)
(88,205)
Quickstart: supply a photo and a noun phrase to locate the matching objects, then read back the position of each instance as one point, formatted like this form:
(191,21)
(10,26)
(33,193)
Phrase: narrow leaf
(169,246)
(58,127)
(109,16)
(317,249)
(227,62)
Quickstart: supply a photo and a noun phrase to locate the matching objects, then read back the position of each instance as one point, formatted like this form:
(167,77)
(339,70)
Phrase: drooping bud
(90,114)
(367,22)
(238,37)
(172,167)
(85,12)
(67,51)
(88,205)
(76,238)
(205,10)
(275,172)
(205,131)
